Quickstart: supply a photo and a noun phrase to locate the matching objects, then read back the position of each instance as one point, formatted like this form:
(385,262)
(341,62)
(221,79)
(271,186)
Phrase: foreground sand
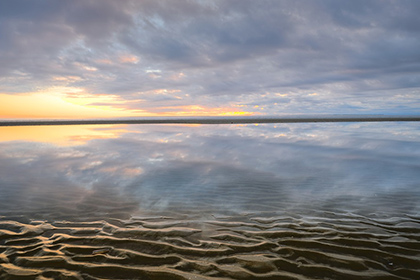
(298,244)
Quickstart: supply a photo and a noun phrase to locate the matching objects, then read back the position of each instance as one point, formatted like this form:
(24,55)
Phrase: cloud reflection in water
(157,168)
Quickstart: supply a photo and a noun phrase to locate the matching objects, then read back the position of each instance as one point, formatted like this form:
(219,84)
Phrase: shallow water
(289,201)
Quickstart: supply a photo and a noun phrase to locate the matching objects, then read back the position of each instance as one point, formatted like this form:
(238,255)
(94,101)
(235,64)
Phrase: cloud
(226,51)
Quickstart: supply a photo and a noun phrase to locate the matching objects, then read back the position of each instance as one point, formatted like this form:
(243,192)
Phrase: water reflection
(214,168)
(60,135)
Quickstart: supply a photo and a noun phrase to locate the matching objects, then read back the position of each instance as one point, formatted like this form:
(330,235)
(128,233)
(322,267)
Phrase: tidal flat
(267,201)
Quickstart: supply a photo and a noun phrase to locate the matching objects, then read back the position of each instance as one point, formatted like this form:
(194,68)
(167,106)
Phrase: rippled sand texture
(289,245)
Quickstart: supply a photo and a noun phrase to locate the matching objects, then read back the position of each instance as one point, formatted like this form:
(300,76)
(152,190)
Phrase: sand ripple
(320,245)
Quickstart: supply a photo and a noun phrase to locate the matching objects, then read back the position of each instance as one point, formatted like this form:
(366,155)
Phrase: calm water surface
(289,201)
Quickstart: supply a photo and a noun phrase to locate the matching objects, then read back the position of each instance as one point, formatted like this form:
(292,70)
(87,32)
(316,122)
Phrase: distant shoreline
(219,120)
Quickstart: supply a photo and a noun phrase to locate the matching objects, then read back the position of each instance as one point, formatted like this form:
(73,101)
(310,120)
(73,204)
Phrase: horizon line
(322,118)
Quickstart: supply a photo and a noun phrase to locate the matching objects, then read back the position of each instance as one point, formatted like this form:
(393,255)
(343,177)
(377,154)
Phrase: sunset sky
(91,59)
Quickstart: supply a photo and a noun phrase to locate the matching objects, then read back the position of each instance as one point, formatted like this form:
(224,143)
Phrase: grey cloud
(96,20)
(89,18)
(210,36)
(30,10)
(36,34)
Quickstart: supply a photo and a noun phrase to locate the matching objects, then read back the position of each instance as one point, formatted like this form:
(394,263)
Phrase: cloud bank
(265,57)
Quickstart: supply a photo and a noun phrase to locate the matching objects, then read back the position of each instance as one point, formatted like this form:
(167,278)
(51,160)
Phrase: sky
(90,59)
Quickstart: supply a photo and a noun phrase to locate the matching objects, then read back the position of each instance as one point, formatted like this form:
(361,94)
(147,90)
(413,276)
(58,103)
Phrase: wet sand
(101,240)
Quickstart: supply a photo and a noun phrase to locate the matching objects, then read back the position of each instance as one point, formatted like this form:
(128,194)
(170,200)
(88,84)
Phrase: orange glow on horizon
(73,103)
(58,106)
(61,135)
(199,111)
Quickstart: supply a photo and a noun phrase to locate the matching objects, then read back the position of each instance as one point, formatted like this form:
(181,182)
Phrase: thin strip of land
(220,120)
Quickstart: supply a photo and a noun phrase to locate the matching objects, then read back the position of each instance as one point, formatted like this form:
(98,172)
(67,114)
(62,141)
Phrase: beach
(303,243)
(270,201)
